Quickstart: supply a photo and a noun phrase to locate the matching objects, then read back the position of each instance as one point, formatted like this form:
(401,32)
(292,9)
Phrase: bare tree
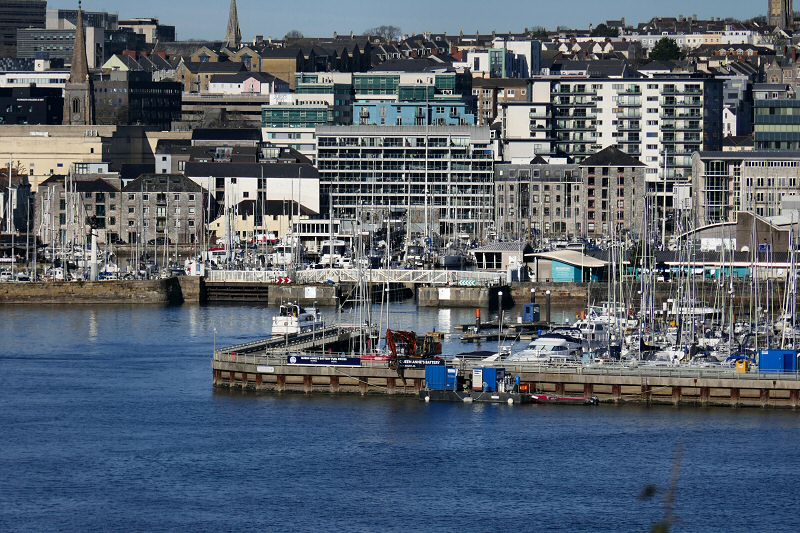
(294,34)
(389,33)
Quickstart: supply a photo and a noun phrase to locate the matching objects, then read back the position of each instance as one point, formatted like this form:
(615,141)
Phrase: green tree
(665,50)
(601,30)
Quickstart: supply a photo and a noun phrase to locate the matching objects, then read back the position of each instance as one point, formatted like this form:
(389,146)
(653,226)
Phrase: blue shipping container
(436,377)
(491,377)
(779,361)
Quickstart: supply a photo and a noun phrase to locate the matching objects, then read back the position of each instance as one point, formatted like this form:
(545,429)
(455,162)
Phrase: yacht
(550,348)
(293,319)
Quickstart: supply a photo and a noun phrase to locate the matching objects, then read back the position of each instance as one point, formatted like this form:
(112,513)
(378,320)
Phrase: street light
(500,325)
(549,317)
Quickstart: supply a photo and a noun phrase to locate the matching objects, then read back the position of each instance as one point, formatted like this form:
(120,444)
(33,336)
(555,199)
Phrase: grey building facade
(16,14)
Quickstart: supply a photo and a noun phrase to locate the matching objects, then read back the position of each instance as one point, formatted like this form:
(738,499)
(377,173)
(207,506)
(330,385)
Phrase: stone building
(65,204)
(162,209)
(537,200)
(612,194)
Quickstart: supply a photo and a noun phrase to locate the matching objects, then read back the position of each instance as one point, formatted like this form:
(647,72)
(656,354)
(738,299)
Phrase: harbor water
(109,422)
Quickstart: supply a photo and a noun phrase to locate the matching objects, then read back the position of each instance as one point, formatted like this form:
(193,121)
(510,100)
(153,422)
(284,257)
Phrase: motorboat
(293,319)
(550,348)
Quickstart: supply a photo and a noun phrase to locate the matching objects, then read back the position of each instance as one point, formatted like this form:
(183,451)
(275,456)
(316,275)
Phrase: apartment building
(441,175)
(163,209)
(537,200)
(776,118)
(490,93)
(755,181)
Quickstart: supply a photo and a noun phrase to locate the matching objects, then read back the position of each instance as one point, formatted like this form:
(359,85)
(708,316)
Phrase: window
(131,210)
(145,197)
(176,197)
(191,197)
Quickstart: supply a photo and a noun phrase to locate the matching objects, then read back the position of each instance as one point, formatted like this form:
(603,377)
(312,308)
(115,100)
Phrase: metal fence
(606,370)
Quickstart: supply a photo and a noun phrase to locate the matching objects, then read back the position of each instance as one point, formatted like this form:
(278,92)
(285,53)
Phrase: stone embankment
(163,291)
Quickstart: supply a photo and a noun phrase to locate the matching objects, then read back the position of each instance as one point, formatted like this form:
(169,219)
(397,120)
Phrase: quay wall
(657,389)
(163,291)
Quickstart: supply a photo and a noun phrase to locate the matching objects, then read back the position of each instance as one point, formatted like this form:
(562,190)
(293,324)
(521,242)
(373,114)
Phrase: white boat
(550,348)
(332,254)
(293,319)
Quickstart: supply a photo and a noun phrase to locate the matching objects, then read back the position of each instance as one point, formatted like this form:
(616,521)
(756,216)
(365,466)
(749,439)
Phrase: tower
(78,105)
(234,37)
(780,13)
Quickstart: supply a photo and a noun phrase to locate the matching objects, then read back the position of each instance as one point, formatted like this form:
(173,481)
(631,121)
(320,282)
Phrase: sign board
(310,293)
(444,293)
(265,369)
(418,363)
(477,379)
(312,360)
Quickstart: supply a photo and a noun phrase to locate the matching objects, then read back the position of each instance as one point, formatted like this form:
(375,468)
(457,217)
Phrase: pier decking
(672,386)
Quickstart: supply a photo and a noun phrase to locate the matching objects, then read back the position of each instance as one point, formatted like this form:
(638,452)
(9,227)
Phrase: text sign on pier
(312,360)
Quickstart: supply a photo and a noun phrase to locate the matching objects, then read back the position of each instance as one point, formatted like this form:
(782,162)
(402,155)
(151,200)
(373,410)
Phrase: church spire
(79,70)
(78,95)
(234,37)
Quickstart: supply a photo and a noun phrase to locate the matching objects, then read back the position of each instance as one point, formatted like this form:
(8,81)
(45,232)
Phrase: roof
(218,66)
(501,247)
(251,170)
(738,140)
(162,182)
(781,155)
(281,53)
(611,156)
(413,65)
(225,134)
(243,76)
(570,257)
(83,183)
(173,146)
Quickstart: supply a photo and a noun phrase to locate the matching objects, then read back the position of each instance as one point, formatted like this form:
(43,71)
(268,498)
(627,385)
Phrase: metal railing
(245,276)
(535,368)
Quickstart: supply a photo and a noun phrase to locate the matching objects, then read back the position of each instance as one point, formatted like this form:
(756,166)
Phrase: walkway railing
(611,370)
(352,275)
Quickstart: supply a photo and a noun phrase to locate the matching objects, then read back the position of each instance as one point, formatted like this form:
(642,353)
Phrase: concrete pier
(678,387)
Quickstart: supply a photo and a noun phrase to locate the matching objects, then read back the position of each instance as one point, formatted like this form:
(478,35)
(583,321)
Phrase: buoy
(511,401)
(427,399)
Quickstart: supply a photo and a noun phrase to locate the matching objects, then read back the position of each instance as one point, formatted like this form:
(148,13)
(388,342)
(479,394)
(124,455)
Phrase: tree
(540,33)
(601,30)
(665,50)
(294,34)
(388,33)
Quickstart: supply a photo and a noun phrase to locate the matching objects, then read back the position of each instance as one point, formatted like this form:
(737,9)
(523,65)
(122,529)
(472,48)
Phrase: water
(108,421)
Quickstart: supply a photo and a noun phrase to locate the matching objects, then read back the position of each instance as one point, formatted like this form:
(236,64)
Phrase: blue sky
(206,19)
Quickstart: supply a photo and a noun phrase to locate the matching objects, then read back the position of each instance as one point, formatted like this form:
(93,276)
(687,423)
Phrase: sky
(207,19)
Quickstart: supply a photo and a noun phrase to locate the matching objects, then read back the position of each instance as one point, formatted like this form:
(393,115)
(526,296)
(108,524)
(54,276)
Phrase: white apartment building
(660,121)
(440,175)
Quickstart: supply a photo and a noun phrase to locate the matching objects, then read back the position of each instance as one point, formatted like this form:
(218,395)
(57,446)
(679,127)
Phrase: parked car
(160,240)
(5,276)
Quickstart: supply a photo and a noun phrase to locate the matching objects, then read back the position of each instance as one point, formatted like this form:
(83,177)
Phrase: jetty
(325,374)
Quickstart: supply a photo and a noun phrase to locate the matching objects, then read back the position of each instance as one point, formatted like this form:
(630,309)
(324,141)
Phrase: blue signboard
(313,360)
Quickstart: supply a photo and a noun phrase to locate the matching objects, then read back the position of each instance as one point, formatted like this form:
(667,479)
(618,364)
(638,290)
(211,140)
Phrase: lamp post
(500,324)
(549,317)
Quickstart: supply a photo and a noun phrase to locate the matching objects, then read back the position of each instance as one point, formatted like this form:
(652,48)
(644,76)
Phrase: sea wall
(163,291)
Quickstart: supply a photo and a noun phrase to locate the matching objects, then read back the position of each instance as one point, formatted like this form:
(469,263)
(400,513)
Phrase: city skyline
(323,18)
